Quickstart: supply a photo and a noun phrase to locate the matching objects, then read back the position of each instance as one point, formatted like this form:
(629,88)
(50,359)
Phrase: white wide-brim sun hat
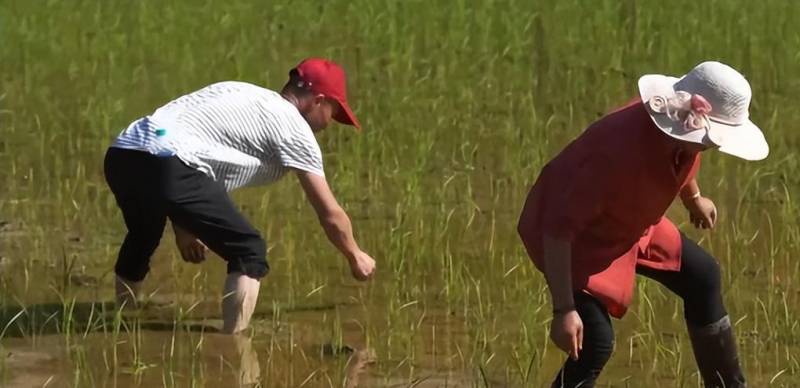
(728,93)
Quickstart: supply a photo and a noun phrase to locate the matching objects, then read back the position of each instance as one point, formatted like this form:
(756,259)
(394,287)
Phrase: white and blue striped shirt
(237,133)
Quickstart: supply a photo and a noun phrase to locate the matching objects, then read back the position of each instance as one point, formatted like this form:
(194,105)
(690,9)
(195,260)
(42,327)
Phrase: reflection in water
(249,369)
(357,366)
(239,355)
(45,360)
(216,360)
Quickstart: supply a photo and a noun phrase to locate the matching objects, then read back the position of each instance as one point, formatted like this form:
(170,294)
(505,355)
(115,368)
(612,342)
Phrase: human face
(320,112)
(690,147)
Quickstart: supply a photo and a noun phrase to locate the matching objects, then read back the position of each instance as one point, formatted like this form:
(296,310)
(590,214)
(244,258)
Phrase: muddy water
(457,128)
(455,302)
(333,334)
(191,353)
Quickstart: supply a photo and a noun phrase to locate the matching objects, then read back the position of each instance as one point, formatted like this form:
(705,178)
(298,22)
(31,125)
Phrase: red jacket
(607,193)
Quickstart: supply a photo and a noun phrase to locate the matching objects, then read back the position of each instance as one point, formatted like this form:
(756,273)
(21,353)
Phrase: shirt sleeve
(577,197)
(302,154)
(297,147)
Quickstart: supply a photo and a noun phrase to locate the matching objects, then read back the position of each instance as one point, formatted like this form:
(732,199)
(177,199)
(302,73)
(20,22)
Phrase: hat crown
(724,88)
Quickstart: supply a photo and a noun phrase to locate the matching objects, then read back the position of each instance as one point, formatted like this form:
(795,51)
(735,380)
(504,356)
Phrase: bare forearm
(689,191)
(340,232)
(558,271)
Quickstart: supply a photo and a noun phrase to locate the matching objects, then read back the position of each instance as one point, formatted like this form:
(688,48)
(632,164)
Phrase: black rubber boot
(715,352)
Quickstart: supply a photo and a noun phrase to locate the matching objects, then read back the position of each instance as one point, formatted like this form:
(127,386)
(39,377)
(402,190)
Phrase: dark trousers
(697,283)
(149,189)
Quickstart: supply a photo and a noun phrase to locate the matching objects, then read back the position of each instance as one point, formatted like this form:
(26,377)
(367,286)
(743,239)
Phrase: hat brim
(345,115)
(745,141)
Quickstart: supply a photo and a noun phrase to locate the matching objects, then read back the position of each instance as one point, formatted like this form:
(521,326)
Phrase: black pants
(149,189)
(697,283)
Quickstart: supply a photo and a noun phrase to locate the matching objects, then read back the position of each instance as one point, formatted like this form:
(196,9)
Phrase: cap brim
(345,115)
(745,141)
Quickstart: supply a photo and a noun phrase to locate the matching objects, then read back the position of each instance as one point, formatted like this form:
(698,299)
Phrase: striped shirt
(237,133)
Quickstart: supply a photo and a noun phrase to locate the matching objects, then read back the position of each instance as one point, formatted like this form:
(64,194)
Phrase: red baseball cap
(327,78)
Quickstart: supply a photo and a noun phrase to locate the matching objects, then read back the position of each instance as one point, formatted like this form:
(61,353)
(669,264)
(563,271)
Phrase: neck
(289,96)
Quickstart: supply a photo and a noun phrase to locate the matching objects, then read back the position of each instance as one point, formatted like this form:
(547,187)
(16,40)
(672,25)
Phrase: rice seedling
(463,103)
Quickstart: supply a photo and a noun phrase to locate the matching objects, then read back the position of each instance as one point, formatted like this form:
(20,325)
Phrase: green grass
(462,103)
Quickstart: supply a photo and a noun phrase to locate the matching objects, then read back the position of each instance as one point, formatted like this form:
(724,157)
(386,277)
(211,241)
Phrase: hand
(702,212)
(192,250)
(362,266)
(566,331)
